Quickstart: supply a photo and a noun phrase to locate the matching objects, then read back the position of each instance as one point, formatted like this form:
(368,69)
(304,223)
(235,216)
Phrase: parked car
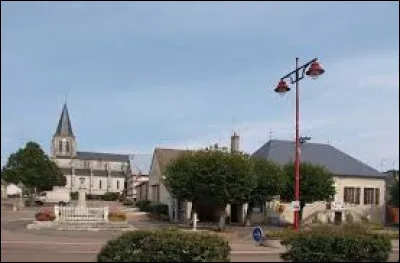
(56,196)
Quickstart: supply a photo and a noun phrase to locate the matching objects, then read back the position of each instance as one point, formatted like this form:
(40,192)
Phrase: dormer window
(60,146)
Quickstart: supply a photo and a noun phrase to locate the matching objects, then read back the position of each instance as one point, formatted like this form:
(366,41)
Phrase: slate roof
(165,156)
(64,127)
(336,161)
(111,157)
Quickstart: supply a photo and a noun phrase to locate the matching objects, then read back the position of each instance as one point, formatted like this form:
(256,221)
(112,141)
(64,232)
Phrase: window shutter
(358,196)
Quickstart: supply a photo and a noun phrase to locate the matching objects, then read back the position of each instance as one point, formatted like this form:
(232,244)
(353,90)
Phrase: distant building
(102,172)
(140,165)
(359,188)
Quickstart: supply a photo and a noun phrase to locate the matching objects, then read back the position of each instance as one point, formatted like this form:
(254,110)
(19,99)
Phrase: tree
(31,166)
(394,193)
(211,177)
(316,184)
(270,180)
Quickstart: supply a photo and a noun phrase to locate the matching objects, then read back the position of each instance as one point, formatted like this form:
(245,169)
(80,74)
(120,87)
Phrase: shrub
(116,216)
(128,202)
(158,208)
(45,215)
(110,196)
(144,205)
(165,245)
(74,195)
(332,244)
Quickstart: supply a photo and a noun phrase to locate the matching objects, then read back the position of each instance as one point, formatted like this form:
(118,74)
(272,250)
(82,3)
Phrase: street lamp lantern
(315,70)
(282,87)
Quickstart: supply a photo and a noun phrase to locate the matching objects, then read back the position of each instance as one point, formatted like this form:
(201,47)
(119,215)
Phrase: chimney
(234,143)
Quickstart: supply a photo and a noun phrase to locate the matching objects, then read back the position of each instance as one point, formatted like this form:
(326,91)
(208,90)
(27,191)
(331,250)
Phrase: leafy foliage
(394,193)
(211,177)
(143,205)
(45,215)
(158,208)
(166,245)
(31,166)
(316,183)
(336,245)
(110,196)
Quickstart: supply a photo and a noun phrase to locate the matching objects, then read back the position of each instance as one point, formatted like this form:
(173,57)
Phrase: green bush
(110,196)
(165,245)
(128,202)
(326,244)
(74,195)
(158,208)
(143,205)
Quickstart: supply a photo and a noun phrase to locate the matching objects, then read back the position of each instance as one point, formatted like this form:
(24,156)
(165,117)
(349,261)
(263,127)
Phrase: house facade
(360,189)
(100,172)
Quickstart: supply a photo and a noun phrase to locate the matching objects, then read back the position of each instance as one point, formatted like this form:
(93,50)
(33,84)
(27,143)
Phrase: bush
(116,216)
(332,244)
(165,245)
(128,202)
(158,208)
(45,215)
(110,196)
(144,205)
(74,195)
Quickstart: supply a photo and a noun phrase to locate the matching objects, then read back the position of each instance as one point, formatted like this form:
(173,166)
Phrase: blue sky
(140,75)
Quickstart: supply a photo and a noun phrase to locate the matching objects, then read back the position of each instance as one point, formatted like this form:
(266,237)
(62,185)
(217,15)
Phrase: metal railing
(81,213)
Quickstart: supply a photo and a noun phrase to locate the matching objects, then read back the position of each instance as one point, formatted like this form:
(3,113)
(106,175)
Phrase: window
(117,185)
(60,146)
(352,195)
(371,196)
(155,193)
(100,184)
(67,146)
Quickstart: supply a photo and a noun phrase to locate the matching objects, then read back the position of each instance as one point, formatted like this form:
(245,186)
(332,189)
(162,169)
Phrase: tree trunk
(222,218)
(247,219)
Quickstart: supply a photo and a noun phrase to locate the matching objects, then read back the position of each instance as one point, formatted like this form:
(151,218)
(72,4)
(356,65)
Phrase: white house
(360,189)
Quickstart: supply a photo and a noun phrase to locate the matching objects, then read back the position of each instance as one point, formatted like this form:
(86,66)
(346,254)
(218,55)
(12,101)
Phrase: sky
(140,75)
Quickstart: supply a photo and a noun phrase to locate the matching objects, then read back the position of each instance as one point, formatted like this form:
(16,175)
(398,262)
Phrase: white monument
(82,193)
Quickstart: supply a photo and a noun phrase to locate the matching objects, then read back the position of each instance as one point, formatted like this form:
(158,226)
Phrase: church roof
(64,127)
(336,161)
(111,157)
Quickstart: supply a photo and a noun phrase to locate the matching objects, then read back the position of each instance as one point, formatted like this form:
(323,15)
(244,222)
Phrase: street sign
(258,234)
(295,206)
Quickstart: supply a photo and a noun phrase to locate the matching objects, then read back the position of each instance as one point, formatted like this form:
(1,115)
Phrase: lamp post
(314,70)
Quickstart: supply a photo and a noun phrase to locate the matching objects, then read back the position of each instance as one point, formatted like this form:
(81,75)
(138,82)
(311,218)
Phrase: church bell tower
(63,143)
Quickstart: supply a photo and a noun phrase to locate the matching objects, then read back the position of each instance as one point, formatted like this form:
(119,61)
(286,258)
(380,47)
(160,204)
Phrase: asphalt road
(21,245)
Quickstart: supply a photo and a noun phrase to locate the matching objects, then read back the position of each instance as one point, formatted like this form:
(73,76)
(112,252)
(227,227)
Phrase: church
(99,172)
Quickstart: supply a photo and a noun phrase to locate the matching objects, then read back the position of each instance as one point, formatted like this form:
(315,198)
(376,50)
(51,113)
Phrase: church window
(100,184)
(67,146)
(117,185)
(60,146)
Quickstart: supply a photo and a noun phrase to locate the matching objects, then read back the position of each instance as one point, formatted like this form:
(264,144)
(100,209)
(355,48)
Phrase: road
(21,245)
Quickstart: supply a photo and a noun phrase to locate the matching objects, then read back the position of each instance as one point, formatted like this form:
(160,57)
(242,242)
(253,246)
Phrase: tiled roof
(111,157)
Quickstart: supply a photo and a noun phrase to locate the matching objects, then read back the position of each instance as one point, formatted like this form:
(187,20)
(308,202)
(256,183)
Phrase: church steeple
(64,127)
(63,143)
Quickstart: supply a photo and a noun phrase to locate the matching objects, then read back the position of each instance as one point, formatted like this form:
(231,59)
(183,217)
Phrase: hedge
(110,196)
(158,208)
(165,245)
(326,244)
(143,205)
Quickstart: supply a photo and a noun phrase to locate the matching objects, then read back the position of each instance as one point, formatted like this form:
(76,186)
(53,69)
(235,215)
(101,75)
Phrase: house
(140,166)
(180,210)
(360,189)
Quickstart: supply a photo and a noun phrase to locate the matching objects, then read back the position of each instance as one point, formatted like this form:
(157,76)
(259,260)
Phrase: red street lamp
(314,71)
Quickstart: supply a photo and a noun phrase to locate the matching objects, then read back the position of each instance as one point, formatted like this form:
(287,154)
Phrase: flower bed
(117,216)
(45,215)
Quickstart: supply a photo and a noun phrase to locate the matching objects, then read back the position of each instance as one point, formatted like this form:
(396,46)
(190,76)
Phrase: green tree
(31,166)
(394,193)
(316,184)
(270,180)
(211,177)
